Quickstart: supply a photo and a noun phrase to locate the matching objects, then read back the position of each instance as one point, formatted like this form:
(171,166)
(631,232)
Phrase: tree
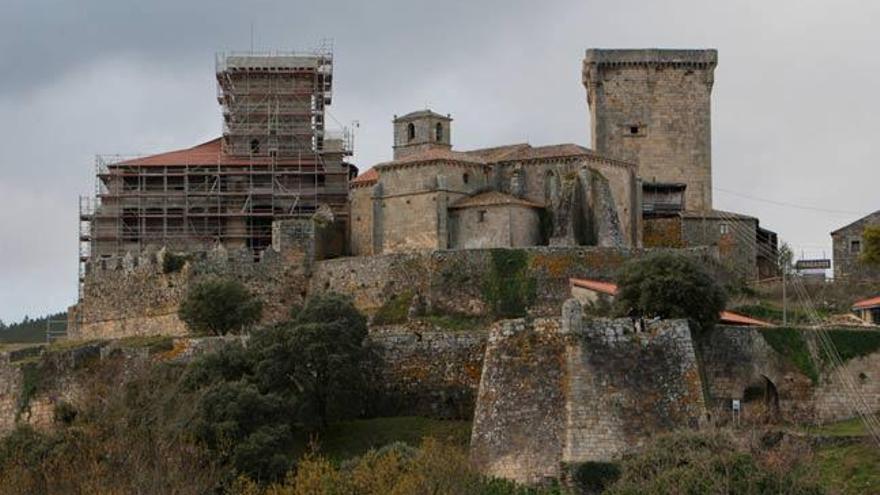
(320,354)
(219,306)
(871,246)
(669,286)
(784,258)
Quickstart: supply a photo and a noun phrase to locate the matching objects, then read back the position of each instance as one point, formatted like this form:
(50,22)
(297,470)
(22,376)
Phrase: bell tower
(421,131)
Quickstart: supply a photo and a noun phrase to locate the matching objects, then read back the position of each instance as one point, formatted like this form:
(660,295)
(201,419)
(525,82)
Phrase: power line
(789,205)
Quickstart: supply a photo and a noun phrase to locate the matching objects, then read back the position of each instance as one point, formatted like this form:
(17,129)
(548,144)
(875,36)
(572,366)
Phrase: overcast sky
(794,107)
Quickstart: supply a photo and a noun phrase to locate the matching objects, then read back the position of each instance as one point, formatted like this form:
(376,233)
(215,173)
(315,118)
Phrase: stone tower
(653,107)
(421,131)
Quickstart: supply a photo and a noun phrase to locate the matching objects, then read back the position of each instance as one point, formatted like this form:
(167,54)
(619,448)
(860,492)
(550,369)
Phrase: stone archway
(760,401)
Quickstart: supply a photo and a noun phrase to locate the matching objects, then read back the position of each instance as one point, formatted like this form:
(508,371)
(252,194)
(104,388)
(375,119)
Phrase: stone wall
(455,280)
(494,225)
(426,371)
(846,256)
(740,358)
(140,296)
(572,390)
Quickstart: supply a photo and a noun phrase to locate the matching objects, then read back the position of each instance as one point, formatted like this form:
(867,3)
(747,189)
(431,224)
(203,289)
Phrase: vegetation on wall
(218,306)
(851,344)
(508,288)
(395,310)
(792,345)
(669,286)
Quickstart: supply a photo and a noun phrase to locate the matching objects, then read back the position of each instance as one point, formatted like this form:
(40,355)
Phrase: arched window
(255,146)
(438,132)
(410,131)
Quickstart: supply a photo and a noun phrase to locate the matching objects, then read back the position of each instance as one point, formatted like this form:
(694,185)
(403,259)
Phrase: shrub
(172,263)
(871,251)
(219,306)
(669,286)
(508,288)
(594,477)
(690,462)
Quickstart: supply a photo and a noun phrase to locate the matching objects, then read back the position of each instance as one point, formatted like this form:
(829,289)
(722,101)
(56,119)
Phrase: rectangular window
(725,229)
(481,216)
(855,246)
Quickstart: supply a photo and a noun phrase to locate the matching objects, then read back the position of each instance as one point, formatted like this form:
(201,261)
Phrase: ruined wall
(652,107)
(456,280)
(140,296)
(571,390)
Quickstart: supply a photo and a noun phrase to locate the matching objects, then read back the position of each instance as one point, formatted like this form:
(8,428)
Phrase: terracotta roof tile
(867,303)
(207,153)
(595,285)
(492,198)
(731,318)
(366,178)
(435,155)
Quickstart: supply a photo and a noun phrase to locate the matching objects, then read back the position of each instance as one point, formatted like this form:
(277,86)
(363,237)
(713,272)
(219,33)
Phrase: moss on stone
(851,344)
(508,287)
(394,310)
(792,345)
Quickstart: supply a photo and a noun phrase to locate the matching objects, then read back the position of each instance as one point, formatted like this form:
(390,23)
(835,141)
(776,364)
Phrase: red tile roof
(366,178)
(867,303)
(726,317)
(602,287)
(731,318)
(436,154)
(205,154)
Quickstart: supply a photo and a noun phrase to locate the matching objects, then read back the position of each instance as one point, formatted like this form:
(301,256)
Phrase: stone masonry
(559,391)
(652,107)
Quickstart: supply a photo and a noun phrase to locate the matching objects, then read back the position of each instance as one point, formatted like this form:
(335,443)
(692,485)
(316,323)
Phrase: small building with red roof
(868,310)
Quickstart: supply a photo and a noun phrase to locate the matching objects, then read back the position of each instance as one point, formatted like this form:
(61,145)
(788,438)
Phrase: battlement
(707,58)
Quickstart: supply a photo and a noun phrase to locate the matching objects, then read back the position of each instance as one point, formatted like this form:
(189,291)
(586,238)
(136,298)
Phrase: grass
(847,428)
(849,469)
(348,439)
(395,310)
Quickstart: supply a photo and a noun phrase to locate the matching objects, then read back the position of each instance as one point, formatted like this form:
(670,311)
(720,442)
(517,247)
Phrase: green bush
(172,263)
(219,306)
(669,286)
(594,477)
(851,344)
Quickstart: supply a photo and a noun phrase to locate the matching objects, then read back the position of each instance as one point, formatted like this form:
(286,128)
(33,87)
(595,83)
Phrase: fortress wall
(428,372)
(737,358)
(565,391)
(519,421)
(455,280)
(626,386)
(136,296)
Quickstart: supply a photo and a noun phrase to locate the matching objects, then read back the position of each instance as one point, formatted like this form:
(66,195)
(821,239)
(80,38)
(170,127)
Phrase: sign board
(736,405)
(823,264)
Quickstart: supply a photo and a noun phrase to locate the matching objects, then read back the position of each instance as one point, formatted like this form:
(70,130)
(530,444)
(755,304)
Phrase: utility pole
(784,298)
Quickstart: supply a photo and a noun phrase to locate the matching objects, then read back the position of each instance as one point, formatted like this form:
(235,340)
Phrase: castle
(493,234)
(646,182)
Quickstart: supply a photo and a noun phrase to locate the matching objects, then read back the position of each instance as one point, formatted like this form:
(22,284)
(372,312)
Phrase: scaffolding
(273,161)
